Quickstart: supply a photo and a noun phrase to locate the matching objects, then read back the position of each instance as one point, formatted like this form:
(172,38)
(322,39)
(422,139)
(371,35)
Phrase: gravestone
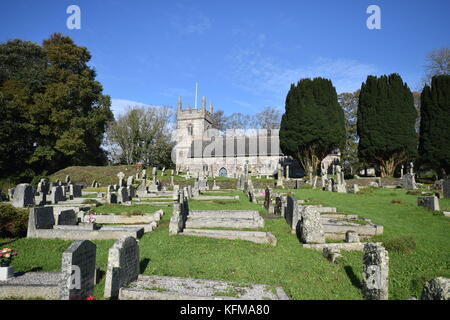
(41,199)
(310,227)
(43,186)
(154,171)
(123,266)
(122,195)
(431,202)
(278,206)
(267,198)
(446,188)
(131,192)
(121,177)
(291,213)
(68,218)
(436,289)
(111,198)
(67,179)
(409,182)
(23,196)
(355,188)
(375,272)
(130,180)
(78,271)
(40,218)
(75,190)
(57,194)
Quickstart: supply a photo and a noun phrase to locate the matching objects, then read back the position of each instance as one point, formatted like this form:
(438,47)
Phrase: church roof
(236,146)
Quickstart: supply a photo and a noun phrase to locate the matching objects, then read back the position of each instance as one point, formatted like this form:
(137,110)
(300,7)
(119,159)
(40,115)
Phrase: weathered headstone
(409,182)
(121,177)
(436,289)
(431,202)
(310,227)
(267,198)
(130,180)
(123,266)
(291,213)
(78,271)
(23,196)
(375,272)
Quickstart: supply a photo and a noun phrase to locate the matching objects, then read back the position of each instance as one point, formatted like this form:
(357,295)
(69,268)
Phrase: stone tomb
(74,282)
(41,224)
(123,266)
(176,288)
(431,203)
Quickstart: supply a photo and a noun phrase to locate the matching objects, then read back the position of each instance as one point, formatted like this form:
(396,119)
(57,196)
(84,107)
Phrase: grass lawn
(303,273)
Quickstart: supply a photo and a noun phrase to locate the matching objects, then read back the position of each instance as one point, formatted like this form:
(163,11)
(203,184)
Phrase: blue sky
(243,54)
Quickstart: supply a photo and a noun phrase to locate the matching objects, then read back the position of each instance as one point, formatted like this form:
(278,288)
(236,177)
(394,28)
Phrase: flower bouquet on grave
(6,256)
(91,217)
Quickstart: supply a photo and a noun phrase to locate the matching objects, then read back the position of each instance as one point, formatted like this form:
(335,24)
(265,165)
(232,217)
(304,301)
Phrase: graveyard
(224,151)
(415,237)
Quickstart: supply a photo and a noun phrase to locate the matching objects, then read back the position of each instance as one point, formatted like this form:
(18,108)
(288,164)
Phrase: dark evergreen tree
(386,123)
(52,105)
(434,141)
(313,123)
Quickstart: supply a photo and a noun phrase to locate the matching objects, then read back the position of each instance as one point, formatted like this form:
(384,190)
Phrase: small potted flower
(6,270)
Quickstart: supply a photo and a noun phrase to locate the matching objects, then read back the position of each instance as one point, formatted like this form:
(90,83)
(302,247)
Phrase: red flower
(90,298)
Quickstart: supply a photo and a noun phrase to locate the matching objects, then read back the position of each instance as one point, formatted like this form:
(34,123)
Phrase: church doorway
(223,172)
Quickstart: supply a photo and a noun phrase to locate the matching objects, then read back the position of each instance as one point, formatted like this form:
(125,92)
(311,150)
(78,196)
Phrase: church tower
(192,125)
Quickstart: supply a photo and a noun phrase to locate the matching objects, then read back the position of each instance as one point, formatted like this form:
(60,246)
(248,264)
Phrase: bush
(13,221)
(403,244)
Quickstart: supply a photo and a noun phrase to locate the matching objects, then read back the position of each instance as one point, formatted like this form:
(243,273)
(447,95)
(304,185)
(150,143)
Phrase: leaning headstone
(310,228)
(68,218)
(123,266)
(375,272)
(94,183)
(23,196)
(78,271)
(446,188)
(431,202)
(437,289)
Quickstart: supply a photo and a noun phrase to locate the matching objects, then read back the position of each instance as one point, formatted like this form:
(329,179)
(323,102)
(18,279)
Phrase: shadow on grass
(35,269)
(7,241)
(143,264)
(353,278)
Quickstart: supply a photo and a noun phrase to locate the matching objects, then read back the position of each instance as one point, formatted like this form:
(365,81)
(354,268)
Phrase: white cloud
(255,71)
(119,106)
